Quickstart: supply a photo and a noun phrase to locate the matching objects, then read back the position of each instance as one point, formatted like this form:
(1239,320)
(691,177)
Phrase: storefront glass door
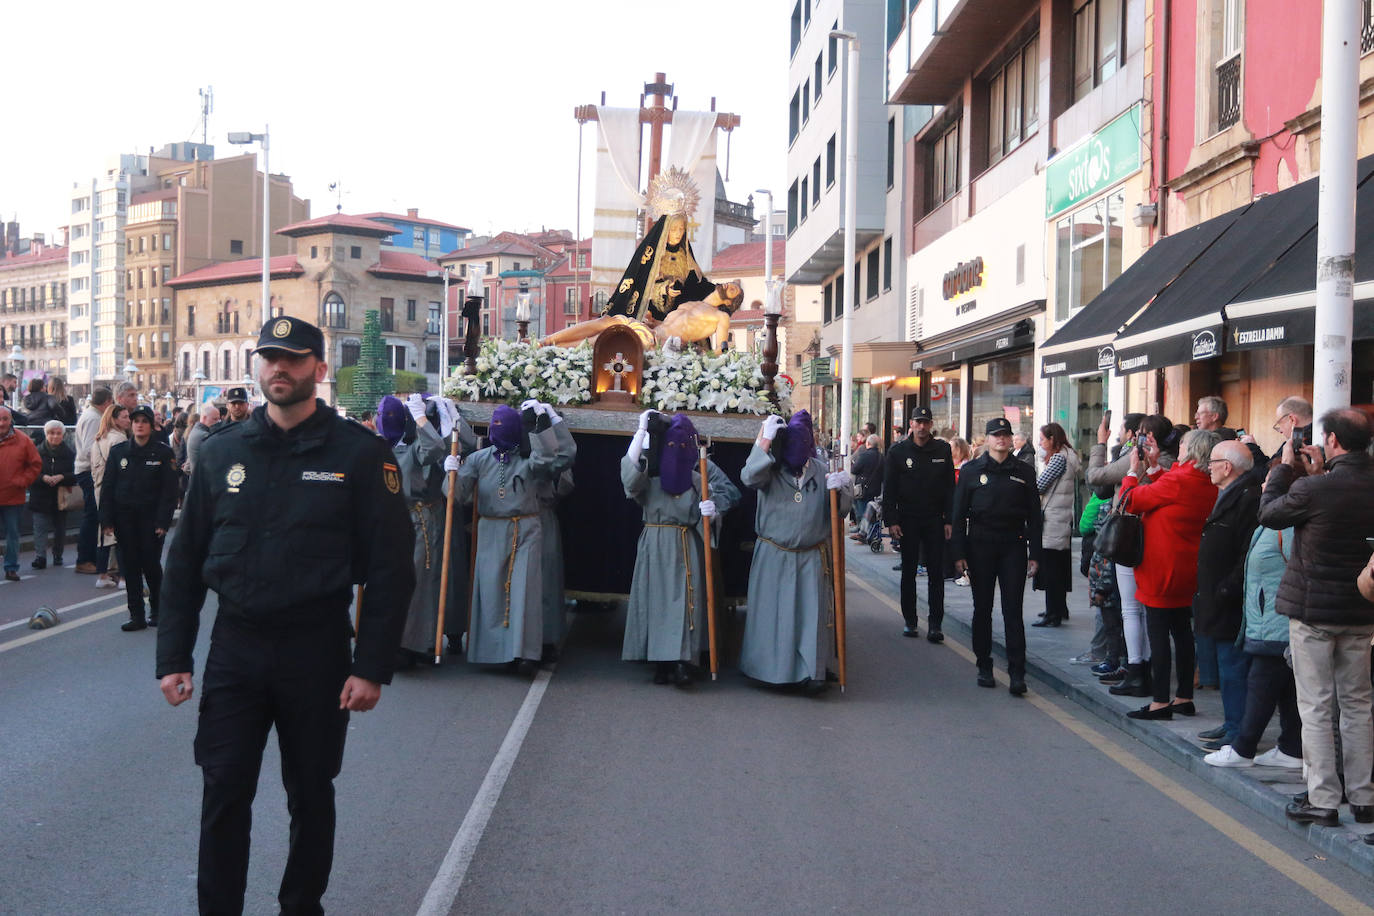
(1077,404)
(946,404)
(1004,388)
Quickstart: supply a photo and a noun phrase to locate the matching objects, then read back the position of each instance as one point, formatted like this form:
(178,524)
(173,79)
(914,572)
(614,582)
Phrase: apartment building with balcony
(420,235)
(815,205)
(33,308)
(1020,194)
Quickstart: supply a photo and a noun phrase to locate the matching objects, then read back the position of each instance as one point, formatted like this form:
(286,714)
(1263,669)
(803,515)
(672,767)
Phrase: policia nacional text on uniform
(284,512)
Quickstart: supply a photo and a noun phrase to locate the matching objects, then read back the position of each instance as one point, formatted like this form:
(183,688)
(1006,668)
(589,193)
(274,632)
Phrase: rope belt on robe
(826,565)
(687,565)
(510,559)
(419,511)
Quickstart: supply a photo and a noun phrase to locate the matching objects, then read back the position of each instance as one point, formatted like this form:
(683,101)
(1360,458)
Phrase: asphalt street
(914,791)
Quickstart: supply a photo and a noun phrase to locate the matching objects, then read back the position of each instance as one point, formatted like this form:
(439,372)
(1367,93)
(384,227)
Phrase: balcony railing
(1367,29)
(1228,92)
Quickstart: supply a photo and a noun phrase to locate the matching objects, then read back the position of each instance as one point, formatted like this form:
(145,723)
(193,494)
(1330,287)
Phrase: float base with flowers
(725,395)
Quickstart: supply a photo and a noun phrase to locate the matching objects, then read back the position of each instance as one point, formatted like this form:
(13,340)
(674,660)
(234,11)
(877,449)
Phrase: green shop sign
(1094,164)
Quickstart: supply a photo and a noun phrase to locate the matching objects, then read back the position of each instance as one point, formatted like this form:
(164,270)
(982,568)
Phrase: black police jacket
(996,500)
(142,478)
(918,481)
(280,524)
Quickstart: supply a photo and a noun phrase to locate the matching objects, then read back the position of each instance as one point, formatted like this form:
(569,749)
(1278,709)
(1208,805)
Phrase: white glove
(448,417)
(638,443)
(416,405)
(644,420)
(452,463)
(708,508)
(540,409)
(771,425)
(837,480)
(531,403)
(552,414)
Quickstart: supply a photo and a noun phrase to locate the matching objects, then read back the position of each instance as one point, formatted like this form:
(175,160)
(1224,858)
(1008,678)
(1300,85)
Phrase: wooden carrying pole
(448,542)
(837,579)
(472,559)
(708,554)
(357,609)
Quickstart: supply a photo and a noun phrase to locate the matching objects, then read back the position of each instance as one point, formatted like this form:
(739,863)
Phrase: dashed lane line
(1325,891)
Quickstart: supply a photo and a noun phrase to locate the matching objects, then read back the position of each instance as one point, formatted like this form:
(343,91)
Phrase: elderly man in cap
(138,495)
(918,492)
(285,512)
(996,526)
(237,404)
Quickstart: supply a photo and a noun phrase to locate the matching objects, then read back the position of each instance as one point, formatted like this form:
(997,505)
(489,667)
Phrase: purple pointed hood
(391,419)
(505,428)
(795,442)
(679,456)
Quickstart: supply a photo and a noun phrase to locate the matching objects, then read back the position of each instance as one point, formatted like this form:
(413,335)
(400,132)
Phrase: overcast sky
(463,109)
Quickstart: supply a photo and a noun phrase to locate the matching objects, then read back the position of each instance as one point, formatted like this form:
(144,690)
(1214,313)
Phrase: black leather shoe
(152,621)
(663,673)
(1152,715)
(936,635)
(130,626)
(1209,734)
(39,563)
(1214,744)
(1048,622)
(1364,814)
(812,687)
(1306,814)
(1184,709)
(910,632)
(985,680)
(682,676)
(526,667)
(1018,687)
(1112,677)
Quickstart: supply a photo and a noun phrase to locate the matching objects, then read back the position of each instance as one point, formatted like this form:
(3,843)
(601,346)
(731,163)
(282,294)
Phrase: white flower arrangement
(509,372)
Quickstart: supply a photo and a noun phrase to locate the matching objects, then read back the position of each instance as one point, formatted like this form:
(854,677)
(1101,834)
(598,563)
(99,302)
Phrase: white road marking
(443,891)
(60,610)
(121,608)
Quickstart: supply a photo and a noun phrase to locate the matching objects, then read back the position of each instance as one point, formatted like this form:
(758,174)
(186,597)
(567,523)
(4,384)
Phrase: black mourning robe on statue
(642,290)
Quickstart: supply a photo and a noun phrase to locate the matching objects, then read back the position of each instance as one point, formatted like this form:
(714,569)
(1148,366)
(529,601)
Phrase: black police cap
(922,413)
(141,411)
(237,395)
(998,425)
(291,335)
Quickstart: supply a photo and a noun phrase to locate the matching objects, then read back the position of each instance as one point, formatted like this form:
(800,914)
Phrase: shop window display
(1087,254)
(946,405)
(1004,388)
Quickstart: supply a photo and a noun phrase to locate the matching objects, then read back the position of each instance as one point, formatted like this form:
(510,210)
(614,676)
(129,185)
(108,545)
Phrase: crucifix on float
(617,367)
(656,114)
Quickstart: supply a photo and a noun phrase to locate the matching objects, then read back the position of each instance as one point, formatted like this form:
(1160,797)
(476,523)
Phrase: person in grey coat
(420,450)
(507,612)
(789,634)
(552,544)
(666,619)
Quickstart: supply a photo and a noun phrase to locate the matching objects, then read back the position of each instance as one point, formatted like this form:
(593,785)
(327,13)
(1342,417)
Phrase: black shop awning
(1086,342)
(1277,309)
(1186,321)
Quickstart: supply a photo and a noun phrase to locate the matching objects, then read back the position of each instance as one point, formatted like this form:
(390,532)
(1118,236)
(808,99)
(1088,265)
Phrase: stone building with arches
(340,271)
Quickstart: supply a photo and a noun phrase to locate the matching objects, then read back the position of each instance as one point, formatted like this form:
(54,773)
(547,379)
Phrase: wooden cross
(618,367)
(656,115)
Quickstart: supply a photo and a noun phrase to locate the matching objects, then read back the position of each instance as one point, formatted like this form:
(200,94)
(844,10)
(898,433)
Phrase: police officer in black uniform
(918,494)
(137,498)
(996,523)
(285,511)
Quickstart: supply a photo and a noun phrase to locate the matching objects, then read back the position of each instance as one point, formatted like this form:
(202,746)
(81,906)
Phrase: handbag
(1122,538)
(69,498)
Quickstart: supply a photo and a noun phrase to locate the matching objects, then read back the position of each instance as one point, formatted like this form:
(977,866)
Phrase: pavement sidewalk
(1049,654)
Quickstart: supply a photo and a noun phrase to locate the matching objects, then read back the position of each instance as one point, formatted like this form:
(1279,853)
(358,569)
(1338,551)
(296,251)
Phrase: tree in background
(372,378)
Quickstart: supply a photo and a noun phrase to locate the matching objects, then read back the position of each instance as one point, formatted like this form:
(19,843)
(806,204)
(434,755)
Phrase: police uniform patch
(123,463)
(281,328)
(322,476)
(391,476)
(983,479)
(908,462)
(237,474)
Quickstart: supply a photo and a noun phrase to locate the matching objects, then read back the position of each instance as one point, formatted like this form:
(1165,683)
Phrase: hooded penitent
(795,442)
(505,428)
(391,419)
(679,456)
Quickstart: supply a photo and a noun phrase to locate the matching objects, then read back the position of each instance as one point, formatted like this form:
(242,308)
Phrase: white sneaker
(962,581)
(105,582)
(1277,758)
(1227,757)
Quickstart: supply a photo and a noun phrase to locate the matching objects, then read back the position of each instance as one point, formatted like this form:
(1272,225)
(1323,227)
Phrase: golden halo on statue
(672,192)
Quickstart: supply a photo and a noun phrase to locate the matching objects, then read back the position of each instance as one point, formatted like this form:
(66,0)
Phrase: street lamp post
(199,379)
(242,137)
(17,356)
(851,216)
(130,369)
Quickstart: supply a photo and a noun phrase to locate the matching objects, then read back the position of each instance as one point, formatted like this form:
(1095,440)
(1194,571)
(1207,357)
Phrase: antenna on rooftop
(207,105)
(337,188)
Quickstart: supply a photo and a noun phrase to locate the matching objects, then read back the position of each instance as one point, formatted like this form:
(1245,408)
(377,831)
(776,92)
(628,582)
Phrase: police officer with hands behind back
(918,492)
(284,512)
(996,522)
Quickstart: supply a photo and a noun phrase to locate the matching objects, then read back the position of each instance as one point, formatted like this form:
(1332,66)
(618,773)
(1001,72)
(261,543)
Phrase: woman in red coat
(1173,508)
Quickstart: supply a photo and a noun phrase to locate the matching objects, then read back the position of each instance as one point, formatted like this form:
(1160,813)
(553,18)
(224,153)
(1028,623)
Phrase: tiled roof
(405,264)
(30,258)
(747,256)
(341,223)
(418,220)
(283,265)
(491,248)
